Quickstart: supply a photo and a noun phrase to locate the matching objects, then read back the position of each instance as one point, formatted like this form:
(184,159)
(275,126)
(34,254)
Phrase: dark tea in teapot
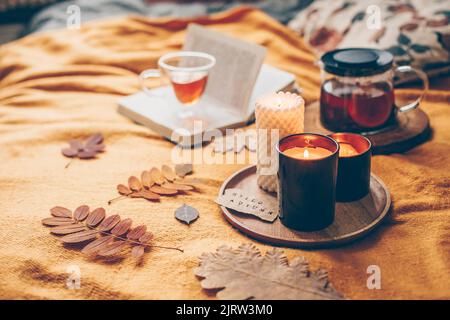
(355,108)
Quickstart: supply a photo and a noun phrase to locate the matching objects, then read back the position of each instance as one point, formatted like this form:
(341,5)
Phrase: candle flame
(306,153)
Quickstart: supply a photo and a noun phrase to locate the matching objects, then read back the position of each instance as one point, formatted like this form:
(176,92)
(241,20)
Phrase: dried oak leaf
(186,214)
(86,149)
(243,273)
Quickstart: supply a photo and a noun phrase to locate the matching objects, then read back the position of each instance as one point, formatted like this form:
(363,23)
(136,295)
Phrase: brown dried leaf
(109,223)
(81,213)
(69,152)
(137,232)
(157,176)
(178,186)
(122,227)
(163,191)
(88,150)
(61,212)
(97,245)
(137,252)
(168,173)
(76,144)
(244,273)
(68,228)
(146,179)
(80,236)
(94,139)
(137,194)
(123,190)
(112,248)
(146,238)
(95,217)
(57,221)
(183,169)
(96,148)
(148,195)
(87,154)
(134,183)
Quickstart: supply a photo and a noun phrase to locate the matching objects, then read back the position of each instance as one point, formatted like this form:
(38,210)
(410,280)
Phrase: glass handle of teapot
(422,75)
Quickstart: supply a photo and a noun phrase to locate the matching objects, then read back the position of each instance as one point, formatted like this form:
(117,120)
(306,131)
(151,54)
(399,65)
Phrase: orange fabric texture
(64,84)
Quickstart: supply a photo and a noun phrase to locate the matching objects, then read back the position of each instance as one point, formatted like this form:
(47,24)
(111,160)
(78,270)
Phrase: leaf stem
(115,199)
(69,163)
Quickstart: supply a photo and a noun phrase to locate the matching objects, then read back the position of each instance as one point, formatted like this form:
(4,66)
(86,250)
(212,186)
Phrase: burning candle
(353,181)
(307,152)
(277,115)
(307,181)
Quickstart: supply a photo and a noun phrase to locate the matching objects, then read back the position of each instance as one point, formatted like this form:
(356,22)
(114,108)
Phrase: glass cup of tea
(187,72)
(357,91)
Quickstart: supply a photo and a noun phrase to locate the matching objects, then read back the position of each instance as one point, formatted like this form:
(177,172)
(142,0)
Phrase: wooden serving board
(412,129)
(353,220)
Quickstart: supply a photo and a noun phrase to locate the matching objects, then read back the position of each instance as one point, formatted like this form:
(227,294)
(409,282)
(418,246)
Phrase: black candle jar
(307,186)
(353,181)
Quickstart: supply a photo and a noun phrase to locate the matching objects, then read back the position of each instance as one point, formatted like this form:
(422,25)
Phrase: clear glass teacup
(187,72)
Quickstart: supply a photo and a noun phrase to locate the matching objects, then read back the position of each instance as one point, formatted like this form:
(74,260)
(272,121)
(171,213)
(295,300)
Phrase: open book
(234,84)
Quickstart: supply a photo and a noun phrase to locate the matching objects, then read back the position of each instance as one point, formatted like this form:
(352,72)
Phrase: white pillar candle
(277,115)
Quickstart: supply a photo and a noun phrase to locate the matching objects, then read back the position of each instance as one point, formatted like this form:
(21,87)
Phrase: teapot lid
(357,62)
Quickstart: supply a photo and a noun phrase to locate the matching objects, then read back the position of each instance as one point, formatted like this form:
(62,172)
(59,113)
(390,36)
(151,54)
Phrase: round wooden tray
(353,220)
(412,129)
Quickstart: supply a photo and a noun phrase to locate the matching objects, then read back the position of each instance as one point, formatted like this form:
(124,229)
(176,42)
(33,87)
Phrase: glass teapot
(357,90)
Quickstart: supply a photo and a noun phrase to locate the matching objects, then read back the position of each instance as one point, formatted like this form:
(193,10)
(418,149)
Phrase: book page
(238,63)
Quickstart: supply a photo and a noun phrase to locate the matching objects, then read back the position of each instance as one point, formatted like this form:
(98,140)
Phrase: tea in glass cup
(188,74)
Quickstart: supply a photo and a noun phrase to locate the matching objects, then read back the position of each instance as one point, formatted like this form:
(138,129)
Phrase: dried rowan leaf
(81,213)
(243,273)
(122,227)
(137,232)
(146,179)
(87,154)
(104,236)
(97,245)
(95,217)
(137,251)
(68,228)
(69,152)
(186,214)
(183,169)
(148,195)
(57,221)
(112,248)
(178,186)
(94,139)
(96,148)
(61,212)
(134,183)
(137,194)
(87,150)
(76,144)
(146,238)
(163,191)
(109,223)
(157,176)
(123,190)
(80,236)
(168,173)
